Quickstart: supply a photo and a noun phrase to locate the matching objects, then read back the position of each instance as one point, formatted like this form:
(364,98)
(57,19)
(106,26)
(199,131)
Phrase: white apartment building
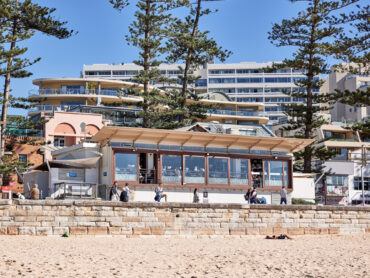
(242,82)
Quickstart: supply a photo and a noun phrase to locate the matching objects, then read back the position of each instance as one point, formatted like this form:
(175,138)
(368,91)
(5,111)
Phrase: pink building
(65,129)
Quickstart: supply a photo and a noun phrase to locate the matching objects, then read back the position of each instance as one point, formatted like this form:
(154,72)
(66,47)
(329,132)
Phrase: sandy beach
(305,256)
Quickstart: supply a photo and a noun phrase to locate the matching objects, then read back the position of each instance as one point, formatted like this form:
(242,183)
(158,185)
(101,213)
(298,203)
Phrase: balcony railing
(342,139)
(235,113)
(103,92)
(51,108)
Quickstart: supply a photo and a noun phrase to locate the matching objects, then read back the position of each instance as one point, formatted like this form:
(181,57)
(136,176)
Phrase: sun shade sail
(69,163)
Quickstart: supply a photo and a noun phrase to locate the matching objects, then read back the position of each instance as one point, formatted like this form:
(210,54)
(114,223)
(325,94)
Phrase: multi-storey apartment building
(77,108)
(342,80)
(242,82)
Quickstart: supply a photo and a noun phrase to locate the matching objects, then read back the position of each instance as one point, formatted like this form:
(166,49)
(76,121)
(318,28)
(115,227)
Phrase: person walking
(125,194)
(283,194)
(113,194)
(195,196)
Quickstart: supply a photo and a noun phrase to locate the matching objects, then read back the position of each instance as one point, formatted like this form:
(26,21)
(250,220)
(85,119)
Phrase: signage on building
(72,175)
(5,189)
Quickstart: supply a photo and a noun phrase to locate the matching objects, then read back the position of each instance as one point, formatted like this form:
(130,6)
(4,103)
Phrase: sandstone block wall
(51,217)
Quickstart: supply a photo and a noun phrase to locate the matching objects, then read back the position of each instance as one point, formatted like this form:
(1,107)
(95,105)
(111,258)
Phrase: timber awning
(199,139)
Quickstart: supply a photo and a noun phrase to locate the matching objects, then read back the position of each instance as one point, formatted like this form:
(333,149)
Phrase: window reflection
(194,169)
(171,168)
(273,173)
(286,169)
(218,170)
(126,167)
(239,171)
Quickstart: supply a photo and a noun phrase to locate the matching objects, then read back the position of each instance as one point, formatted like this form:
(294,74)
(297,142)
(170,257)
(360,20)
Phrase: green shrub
(301,202)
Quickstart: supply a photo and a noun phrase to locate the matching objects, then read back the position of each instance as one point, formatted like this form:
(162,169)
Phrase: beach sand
(305,256)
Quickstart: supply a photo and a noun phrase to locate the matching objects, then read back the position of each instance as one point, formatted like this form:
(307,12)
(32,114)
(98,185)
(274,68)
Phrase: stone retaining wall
(50,217)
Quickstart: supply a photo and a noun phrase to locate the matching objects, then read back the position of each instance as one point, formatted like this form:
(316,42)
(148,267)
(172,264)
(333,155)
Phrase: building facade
(221,166)
(344,80)
(342,182)
(242,82)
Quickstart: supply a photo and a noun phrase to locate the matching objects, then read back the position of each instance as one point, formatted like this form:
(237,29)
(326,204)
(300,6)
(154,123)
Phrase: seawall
(55,217)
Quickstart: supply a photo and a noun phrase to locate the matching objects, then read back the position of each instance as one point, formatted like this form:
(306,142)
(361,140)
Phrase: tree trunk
(146,65)
(307,157)
(188,60)
(7,88)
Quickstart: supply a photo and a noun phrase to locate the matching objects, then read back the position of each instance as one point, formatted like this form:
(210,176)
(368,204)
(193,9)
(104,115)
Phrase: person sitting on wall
(124,197)
(247,195)
(159,193)
(113,194)
(35,192)
(253,196)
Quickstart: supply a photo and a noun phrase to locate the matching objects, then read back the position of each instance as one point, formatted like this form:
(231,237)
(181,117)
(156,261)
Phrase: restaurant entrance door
(147,167)
(256,169)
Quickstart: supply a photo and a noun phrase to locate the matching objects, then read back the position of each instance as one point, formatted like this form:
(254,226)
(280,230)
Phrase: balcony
(120,116)
(51,108)
(76,92)
(236,113)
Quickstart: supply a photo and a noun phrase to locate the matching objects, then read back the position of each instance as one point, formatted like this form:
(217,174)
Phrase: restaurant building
(221,166)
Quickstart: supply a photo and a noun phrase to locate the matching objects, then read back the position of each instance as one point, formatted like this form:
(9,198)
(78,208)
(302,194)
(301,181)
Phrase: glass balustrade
(235,113)
(105,92)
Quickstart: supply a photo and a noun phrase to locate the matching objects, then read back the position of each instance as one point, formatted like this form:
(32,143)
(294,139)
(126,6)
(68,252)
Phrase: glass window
(286,171)
(239,171)
(118,72)
(59,141)
(248,132)
(172,168)
(273,173)
(337,184)
(194,169)
(218,170)
(250,90)
(358,183)
(277,79)
(226,71)
(102,73)
(243,71)
(22,158)
(221,80)
(249,80)
(126,166)
(201,82)
(340,180)
(173,72)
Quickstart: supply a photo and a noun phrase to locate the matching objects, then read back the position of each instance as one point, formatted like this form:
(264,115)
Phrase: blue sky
(240,26)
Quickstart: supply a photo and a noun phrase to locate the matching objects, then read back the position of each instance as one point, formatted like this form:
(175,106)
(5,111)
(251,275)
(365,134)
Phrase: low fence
(56,217)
